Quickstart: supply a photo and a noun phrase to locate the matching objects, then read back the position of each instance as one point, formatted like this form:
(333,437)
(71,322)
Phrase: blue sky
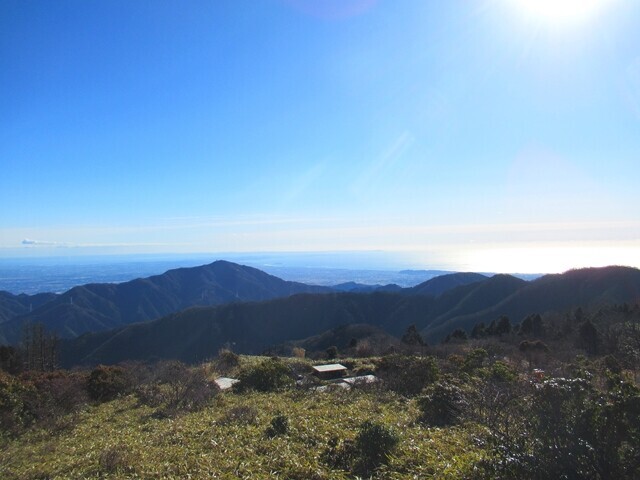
(478,135)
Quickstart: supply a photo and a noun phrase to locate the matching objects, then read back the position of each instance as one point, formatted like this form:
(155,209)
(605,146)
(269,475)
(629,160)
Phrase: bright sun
(560,11)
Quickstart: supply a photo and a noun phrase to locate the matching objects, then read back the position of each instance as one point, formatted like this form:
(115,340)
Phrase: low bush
(502,372)
(373,445)
(279,426)
(267,376)
(332,352)
(15,411)
(475,360)
(107,382)
(299,368)
(177,388)
(150,394)
(407,375)
(442,405)
(57,394)
(226,361)
(571,430)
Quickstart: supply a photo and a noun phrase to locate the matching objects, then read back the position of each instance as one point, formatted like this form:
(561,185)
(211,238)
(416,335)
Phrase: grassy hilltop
(229,438)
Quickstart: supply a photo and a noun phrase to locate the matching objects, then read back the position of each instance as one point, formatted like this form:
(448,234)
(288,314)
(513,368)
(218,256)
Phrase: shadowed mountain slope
(199,333)
(13,305)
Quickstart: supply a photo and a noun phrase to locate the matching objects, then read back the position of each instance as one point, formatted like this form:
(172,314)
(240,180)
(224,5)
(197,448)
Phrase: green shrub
(407,375)
(15,411)
(226,361)
(475,359)
(502,372)
(339,454)
(267,376)
(106,383)
(373,445)
(442,405)
(611,364)
(57,394)
(573,431)
(191,392)
(177,388)
(279,426)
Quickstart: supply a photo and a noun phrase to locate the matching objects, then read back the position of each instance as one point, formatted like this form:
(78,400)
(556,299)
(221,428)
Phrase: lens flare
(560,11)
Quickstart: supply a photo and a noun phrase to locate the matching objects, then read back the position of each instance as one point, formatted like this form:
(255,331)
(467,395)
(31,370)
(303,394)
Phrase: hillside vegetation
(551,398)
(233,435)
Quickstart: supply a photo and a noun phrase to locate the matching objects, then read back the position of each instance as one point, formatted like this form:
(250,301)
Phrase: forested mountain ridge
(587,287)
(13,305)
(99,307)
(198,333)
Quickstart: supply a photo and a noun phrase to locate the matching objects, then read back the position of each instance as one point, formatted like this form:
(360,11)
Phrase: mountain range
(99,307)
(103,306)
(190,313)
(198,333)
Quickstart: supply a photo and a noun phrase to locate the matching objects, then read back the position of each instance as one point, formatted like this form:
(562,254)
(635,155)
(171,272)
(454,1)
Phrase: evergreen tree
(10,359)
(412,337)
(526,326)
(479,330)
(538,329)
(503,326)
(457,335)
(332,352)
(589,337)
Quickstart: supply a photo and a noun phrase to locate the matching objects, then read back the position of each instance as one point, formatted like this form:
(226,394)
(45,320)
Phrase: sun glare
(551,258)
(560,11)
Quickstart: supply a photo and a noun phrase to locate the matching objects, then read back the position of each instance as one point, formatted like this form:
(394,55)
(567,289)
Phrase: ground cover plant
(123,439)
(253,434)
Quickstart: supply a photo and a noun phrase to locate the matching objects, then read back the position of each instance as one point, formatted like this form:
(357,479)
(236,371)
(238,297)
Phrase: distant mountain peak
(101,306)
(438,285)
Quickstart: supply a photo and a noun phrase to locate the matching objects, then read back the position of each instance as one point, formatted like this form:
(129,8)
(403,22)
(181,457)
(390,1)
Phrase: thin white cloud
(27,242)
(31,242)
